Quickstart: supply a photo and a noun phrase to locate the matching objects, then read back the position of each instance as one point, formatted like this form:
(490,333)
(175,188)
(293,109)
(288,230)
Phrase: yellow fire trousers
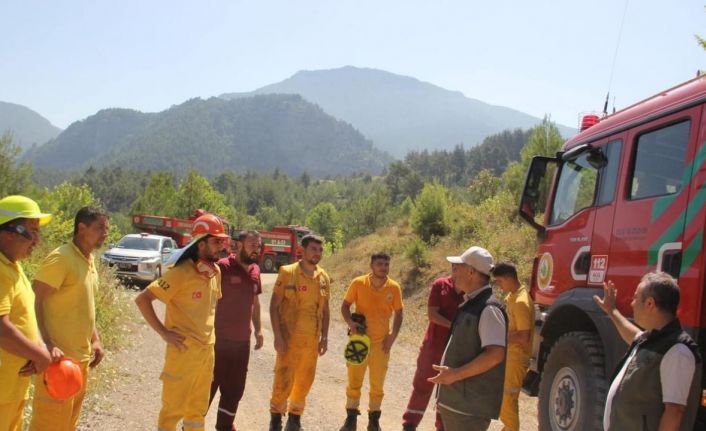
(294,374)
(186,385)
(377,362)
(11,415)
(515,370)
(55,415)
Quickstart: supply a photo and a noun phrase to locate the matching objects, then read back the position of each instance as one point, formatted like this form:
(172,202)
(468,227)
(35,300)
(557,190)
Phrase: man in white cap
(21,351)
(190,290)
(472,370)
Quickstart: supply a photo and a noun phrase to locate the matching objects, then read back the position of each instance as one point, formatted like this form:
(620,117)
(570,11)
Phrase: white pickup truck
(139,258)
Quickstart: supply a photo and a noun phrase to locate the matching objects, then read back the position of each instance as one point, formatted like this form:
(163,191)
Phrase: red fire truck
(281,246)
(626,195)
(177,229)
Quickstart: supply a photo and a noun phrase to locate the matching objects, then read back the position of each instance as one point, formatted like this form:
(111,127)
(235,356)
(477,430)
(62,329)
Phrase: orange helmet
(208,224)
(63,379)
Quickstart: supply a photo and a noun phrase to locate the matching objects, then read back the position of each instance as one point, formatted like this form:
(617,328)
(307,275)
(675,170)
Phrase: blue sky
(69,59)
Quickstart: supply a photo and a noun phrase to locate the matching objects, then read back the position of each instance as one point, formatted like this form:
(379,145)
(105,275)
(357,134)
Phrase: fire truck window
(660,161)
(576,189)
(609,174)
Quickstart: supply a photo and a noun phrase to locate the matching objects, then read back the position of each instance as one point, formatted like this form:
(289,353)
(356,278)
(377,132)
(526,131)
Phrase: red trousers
(229,373)
(430,353)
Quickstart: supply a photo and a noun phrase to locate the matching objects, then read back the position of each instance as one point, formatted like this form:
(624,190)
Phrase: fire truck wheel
(573,386)
(268,264)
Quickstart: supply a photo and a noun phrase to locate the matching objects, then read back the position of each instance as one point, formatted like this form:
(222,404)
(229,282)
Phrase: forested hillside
(401,113)
(260,133)
(27,127)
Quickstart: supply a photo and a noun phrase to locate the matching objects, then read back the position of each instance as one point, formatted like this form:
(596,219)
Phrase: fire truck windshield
(575,189)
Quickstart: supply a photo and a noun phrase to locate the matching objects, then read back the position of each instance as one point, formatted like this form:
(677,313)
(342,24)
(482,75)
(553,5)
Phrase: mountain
(28,127)
(400,113)
(259,133)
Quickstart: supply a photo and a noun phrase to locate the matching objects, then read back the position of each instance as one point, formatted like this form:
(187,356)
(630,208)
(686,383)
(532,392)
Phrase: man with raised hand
(657,385)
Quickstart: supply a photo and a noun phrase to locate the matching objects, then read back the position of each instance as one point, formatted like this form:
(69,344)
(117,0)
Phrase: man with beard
(238,306)
(299,311)
(190,290)
(64,288)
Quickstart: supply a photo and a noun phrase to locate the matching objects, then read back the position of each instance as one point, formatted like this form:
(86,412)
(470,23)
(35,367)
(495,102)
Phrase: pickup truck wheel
(573,387)
(268,264)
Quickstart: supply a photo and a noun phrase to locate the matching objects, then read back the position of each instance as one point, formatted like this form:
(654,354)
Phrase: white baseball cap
(477,257)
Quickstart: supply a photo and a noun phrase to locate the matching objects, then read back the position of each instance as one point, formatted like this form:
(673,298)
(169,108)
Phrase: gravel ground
(133,399)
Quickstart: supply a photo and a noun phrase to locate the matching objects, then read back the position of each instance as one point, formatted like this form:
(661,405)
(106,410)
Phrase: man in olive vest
(472,370)
(657,386)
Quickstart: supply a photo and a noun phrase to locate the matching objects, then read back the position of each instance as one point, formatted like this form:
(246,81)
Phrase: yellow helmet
(357,349)
(14,207)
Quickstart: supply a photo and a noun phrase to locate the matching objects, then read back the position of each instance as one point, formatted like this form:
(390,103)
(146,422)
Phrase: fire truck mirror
(532,195)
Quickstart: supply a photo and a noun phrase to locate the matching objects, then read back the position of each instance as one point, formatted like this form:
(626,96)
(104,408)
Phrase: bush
(429,216)
(417,252)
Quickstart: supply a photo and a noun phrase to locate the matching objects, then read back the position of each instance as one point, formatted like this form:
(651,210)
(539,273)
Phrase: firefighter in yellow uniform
(190,289)
(21,351)
(520,313)
(65,287)
(377,297)
(299,312)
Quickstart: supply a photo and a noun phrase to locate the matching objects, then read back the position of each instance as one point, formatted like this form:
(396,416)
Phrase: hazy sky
(69,59)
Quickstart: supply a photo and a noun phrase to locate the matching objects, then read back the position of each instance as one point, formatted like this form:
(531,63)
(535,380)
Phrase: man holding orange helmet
(21,351)
(190,289)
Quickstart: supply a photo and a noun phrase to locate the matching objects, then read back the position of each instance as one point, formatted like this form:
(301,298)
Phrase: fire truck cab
(623,197)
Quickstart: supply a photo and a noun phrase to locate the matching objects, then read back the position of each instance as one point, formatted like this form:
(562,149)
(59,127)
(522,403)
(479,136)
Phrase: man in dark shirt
(442,305)
(238,306)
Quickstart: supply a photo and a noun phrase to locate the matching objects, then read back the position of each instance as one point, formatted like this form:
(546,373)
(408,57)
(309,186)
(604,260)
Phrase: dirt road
(133,403)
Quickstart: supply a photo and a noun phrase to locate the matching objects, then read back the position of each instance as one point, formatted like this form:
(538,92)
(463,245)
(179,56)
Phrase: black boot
(374,421)
(293,422)
(275,422)
(351,420)
(409,427)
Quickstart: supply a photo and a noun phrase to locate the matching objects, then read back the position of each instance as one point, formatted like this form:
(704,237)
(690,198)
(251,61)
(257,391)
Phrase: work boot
(374,421)
(293,422)
(275,422)
(351,420)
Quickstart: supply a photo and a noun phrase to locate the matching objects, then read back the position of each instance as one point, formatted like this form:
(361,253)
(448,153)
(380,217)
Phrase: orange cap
(63,379)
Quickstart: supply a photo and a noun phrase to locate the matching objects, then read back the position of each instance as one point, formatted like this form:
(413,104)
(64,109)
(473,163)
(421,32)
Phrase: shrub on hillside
(417,252)
(429,216)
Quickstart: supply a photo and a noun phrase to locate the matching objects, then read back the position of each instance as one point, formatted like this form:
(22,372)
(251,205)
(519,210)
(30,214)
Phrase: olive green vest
(479,395)
(637,403)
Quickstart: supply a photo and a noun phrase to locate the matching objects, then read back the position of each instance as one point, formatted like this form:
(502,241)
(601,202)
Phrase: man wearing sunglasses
(21,349)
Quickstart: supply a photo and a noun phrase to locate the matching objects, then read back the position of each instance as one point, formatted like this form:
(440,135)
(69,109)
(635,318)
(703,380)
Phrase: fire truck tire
(573,386)
(268,264)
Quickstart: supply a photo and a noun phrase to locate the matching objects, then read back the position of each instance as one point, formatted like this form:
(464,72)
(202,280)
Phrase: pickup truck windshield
(139,243)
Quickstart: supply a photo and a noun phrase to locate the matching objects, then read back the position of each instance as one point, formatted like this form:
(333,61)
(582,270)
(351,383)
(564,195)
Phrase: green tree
(195,192)
(429,216)
(484,185)
(14,176)
(366,212)
(158,198)
(63,202)
(325,220)
(545,140)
